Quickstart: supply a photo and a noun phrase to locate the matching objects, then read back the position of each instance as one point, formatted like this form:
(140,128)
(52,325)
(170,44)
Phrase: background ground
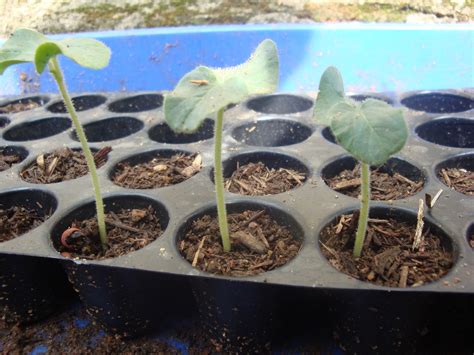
(53,16)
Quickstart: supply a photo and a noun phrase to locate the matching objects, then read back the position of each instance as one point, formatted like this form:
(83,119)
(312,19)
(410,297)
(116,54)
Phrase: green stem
(364,210)
(99,203)
(219,181)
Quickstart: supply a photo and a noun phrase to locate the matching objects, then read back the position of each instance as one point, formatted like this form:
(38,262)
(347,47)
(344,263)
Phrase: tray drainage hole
(4,121)
(387,256)
(110,128)
(24,104)
(156,168)
(470,236)
(280,104)
(22,210)
(363,97)
(263,173)
(438,103)
(164,134)
(259,232)
(272,133)
(60,165)
(135,222)
(11,155)
(450,132)
(396,179)
(457,173)
(81,103)
(38,129)
(137,103)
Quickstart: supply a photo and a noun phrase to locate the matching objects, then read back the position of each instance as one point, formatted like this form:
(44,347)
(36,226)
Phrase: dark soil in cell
(258,242)
(19,107)
(61,165)
(16,221)
(73,333)
(384,186)
(158,172)
(7,160)
(127,230)
(387,256)
(256,179)
(461,180)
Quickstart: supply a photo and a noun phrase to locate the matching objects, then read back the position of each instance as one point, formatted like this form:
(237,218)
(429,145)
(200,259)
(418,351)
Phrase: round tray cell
(387,249)
(470,236)
(363,97)
(438,103)
(18,153)
(24,104)
(36,206)
(272,133)
(455,173)
(137,103)
(4,121)
(280,104)
(110,128)
(327,134)
(38,129)
(450,132)
(81,103)
(164,134)
(112,203)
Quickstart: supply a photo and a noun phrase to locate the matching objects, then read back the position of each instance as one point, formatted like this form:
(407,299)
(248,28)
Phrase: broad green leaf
(371,130)
(203,91)
(331,92)
(20,48)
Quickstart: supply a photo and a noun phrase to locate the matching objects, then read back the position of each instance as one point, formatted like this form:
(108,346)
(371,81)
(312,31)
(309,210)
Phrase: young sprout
(26,45)
(204,91)
(371,131)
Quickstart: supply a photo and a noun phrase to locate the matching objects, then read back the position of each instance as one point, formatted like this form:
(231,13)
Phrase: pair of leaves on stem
(204,91)
(371,130)
(26,45)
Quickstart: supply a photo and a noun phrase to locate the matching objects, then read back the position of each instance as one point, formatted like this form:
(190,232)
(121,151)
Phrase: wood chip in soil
(258,242)
(19,107)
(158,172)
(127,230)
(256,179)
(461,180)
(387,257)
(7,160)
(15,221)
(61,165)
(384,186)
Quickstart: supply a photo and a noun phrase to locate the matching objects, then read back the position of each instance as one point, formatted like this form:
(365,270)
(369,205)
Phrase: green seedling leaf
(203,91)
(371,130)
(331,92)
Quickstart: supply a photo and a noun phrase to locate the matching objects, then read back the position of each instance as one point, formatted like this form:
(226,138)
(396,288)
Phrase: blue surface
(372,57)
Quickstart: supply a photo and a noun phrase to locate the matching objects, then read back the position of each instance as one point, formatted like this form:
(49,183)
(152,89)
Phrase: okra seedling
(371,131)
(26,45)
(206,91)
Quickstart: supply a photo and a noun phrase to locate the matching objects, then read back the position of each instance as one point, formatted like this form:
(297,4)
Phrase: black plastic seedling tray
(276,129)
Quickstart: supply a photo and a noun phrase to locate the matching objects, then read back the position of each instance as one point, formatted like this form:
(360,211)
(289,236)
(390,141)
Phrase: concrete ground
(53,16)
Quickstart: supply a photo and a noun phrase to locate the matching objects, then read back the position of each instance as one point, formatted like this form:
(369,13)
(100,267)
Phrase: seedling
(30,46)
(371,131)
(204,91)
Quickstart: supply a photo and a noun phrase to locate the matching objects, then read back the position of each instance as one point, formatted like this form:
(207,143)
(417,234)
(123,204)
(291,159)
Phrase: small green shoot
(26,45)
(371,131)
(204,91)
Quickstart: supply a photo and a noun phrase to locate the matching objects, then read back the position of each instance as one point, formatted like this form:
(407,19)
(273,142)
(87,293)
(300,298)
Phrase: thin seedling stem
(364,210)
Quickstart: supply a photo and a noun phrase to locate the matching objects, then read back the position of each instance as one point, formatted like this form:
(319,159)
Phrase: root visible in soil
(158,172)
(256,179)
(258,242)
(127,230)
(461,180)
(384,186)
(387,256)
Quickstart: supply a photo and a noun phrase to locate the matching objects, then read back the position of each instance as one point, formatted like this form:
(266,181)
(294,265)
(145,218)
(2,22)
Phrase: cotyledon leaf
(371,130)
(331,92)
(203,91)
